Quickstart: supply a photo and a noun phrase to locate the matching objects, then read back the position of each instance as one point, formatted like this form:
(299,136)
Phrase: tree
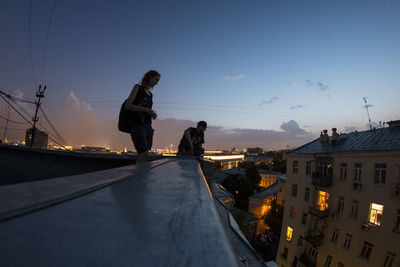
(241,188)
(274,216)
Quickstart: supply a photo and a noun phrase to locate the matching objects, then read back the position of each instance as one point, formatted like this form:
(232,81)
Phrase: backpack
(124,120)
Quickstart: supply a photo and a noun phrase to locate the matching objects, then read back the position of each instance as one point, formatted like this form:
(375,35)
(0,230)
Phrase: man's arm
(189,138)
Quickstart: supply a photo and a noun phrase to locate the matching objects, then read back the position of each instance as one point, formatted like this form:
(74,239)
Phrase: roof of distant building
(243,216)
(282,176)
(383,139)
(262,171)
(270,191)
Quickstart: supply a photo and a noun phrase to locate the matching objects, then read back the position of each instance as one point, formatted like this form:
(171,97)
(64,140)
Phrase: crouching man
(192,140)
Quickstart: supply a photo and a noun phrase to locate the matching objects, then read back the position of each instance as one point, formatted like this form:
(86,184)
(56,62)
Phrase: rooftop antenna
(367,106)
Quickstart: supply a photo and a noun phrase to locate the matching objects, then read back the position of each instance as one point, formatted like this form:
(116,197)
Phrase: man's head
(201,126)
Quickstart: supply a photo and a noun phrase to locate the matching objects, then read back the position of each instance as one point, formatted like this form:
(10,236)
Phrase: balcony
(314,238)
(317,212)
(308,260)
(321,181)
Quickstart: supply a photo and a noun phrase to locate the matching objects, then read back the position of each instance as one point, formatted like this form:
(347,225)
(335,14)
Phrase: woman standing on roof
(140,101)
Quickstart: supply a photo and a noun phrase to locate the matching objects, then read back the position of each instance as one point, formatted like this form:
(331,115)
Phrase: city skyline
(261,73)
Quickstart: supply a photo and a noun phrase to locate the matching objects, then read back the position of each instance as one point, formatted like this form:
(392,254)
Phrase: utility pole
(39,95)
(366,106)
(8,118)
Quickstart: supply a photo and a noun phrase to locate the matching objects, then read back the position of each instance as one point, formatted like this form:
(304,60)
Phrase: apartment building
(342,205)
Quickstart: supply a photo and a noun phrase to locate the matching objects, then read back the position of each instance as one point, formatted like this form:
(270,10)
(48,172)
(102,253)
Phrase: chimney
(393,124)
(324,138)
(335,136)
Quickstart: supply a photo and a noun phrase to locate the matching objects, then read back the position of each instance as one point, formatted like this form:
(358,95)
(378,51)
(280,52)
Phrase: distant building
(254,151)
(227,161)
(280,195)
(342,206)
(40,139)
(268,177)
(260,203)
(247,223)
(94,149)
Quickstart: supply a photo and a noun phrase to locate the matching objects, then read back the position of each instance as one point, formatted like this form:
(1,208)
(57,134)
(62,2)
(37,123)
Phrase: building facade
(342,205)
(40,139)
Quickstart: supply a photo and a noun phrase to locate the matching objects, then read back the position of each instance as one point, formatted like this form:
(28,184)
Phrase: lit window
(289,233)
(380,174)
(389,259)
(366,250)
(347,242)
(322,200)
(375,214)
(292,211)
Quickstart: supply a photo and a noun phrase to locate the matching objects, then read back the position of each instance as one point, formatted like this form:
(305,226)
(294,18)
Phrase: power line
(30,41)
(52,127)
(17,111)
(4,118)
(16,98)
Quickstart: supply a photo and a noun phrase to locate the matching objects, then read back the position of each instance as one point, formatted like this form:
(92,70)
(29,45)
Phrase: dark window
(397,223)
(304,218)
(380,173)
(308,168)
(294,190)
(347,242)
(295,166)
(357,172)
(343,171)
(335,235)
(307,194)
(328,261)
(389,259)
(340,205)
(285,253)
(354,209)
(300,242)
(366,250)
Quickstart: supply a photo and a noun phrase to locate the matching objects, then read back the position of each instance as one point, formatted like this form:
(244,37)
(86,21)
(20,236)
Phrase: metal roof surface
(383,139)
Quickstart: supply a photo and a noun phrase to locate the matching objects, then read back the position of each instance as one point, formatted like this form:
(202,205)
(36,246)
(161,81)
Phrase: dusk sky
(262,73)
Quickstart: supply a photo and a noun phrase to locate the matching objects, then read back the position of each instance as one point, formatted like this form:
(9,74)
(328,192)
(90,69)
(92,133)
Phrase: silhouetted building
(40,139)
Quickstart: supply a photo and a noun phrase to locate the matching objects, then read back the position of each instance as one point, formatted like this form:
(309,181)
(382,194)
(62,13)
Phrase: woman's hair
(146,78)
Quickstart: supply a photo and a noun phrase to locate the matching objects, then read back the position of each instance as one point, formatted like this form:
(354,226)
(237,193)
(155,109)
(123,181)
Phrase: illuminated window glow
(322,200)
(289,233)
(375,214)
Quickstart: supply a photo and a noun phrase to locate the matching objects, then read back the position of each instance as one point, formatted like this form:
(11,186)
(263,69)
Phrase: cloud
(269,102)
(290,83)
(234,77)
(293,127)
(72,102)
(298,106)
(322,87)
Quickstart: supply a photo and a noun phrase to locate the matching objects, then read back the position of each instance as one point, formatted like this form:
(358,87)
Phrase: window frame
(366,250)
